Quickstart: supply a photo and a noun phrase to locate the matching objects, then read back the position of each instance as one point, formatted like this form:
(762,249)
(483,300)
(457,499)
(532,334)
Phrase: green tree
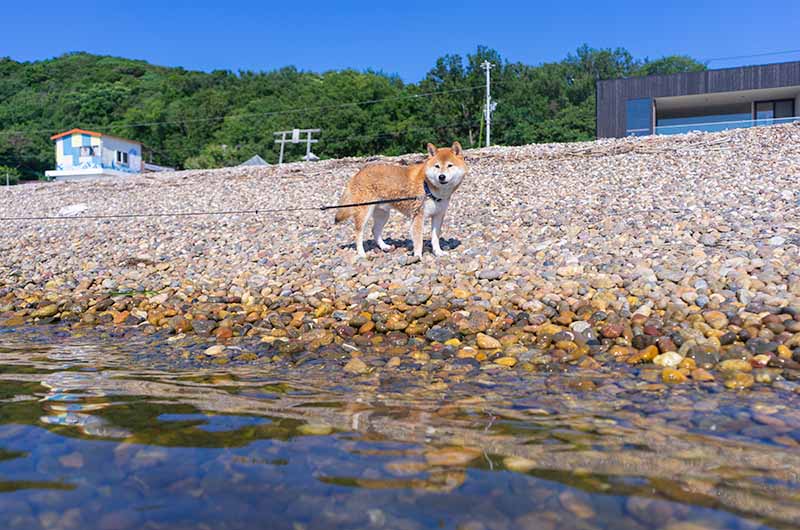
(670,65)
(196,119)
(9,175)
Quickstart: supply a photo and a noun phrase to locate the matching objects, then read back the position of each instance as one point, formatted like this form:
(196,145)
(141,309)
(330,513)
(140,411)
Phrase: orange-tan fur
(444,170)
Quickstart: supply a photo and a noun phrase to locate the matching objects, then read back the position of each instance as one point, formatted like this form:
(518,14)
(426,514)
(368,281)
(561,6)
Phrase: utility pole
(489,106)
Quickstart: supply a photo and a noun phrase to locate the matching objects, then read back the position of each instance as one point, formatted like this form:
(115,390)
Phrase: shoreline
(678,252)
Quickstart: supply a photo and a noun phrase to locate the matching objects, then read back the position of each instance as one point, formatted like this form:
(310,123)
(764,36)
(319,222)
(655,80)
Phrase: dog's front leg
(416,233)
(436,230)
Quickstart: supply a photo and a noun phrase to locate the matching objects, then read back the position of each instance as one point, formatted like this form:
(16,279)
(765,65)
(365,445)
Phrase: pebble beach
(676,259)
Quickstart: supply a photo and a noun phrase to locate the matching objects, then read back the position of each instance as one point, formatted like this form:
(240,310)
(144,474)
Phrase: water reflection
(73,399)
(96,435)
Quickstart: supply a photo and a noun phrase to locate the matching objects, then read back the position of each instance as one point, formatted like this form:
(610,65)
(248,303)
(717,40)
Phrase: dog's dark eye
(436,166)
(449,165)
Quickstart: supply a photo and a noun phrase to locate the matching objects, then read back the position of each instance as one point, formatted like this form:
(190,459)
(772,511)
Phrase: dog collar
(429,194)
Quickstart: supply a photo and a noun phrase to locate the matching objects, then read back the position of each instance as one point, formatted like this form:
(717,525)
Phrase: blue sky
(402,36)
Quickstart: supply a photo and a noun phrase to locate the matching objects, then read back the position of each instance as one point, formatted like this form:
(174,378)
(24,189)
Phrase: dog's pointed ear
(457,149)
(431,149)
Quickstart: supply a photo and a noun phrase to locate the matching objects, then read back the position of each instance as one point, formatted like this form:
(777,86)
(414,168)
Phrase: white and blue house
(84,154)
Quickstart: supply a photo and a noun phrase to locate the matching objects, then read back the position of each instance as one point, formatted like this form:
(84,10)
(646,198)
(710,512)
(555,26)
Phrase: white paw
(438,253)
(383,246)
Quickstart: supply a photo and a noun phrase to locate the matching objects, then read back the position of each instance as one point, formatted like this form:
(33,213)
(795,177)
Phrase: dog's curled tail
(343,214)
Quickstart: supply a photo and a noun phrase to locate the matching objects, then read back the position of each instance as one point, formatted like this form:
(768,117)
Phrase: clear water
(117,432)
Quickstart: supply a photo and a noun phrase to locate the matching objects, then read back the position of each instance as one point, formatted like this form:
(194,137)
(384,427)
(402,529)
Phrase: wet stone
(611,330)
(668,359)
(761,346)
(728,338)
(356,366)
(215,350)
(705,359)
(642,341)
(739,381)
(672,376)
(701,375)
(580,326)
(735,365)
(451,456)
(506,361)
(487,342)
(563,336)
(203,327)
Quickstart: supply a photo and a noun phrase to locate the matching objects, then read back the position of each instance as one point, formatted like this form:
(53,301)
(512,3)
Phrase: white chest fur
(432,208)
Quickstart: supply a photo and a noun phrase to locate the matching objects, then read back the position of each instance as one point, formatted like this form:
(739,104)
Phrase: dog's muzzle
(442,178)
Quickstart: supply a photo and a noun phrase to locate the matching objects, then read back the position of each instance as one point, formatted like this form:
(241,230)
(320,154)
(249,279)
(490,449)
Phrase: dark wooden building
(711,100)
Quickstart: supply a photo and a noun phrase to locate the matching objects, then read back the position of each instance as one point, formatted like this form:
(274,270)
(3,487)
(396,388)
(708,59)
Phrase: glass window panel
(784,108)
(765,110)
(639,117)
(715,123)
(706,119)
(710,118)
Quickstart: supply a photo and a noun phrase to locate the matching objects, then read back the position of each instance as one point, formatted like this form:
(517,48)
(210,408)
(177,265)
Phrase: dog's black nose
(442,178)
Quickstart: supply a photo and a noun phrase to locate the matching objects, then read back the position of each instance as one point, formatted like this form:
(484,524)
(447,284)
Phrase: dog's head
(445,167)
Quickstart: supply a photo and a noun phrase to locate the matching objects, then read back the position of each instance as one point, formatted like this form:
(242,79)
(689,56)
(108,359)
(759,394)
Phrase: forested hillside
(197,119)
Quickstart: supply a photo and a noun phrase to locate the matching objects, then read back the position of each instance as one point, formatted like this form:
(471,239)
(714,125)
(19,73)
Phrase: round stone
(485,342)
(669,359)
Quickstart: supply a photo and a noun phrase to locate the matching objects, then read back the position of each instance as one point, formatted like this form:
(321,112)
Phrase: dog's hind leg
(417,223)
(362,216)
(379,218)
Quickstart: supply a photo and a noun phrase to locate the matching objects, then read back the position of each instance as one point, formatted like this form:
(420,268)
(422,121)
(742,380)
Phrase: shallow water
(115,433)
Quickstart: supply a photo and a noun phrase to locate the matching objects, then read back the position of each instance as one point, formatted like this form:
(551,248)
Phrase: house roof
(255,161)
(90,133)
(74,131)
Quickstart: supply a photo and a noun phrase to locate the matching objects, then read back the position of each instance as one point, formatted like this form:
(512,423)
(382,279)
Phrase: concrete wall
(112,144)
(797,105)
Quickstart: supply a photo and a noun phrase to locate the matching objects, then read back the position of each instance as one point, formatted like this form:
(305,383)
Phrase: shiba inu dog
(433,182)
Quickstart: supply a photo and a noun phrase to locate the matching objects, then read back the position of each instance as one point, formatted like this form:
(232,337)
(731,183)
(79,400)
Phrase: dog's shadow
(407,244)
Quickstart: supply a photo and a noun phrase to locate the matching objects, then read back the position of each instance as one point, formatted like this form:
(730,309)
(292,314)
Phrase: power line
(734,57)
(390,134)
(401,132)
(213,213)
(254,114)
(404,131)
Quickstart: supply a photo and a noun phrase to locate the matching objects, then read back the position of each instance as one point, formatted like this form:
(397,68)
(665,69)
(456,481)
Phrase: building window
(639,117)
(673,118)
(765,110)
(87,151)
(784,108)
(122,158)
(769,112)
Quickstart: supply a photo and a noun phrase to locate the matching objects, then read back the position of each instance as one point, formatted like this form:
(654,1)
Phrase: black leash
(369,203)
(197,214)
